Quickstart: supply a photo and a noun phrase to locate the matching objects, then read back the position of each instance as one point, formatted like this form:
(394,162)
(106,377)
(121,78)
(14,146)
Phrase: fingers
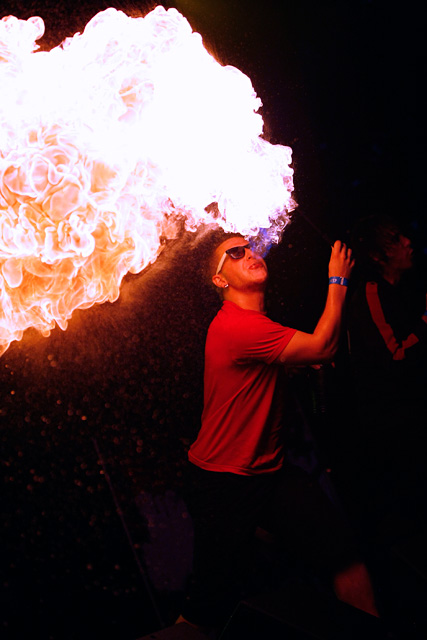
(342,261)
(340,249)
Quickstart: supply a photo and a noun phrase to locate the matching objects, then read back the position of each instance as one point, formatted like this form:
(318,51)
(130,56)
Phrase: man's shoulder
(231,315)
(242,326)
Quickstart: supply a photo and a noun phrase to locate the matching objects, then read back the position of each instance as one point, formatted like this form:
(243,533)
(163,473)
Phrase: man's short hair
(217,238)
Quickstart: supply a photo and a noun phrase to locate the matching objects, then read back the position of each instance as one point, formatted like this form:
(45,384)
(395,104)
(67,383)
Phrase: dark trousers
(227,508)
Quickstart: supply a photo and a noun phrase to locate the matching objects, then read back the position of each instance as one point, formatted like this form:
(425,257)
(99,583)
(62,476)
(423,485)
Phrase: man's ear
(219,281)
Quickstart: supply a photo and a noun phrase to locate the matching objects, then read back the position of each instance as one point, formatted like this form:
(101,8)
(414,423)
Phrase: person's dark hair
(371,238)
(216,238)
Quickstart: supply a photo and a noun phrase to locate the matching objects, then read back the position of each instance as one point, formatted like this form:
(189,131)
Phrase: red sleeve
(259,338)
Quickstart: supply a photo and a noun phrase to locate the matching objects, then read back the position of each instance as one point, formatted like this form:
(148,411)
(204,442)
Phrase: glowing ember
(107,144)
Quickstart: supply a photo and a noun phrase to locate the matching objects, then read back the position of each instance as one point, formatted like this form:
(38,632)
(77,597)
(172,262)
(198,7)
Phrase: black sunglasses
(237,253)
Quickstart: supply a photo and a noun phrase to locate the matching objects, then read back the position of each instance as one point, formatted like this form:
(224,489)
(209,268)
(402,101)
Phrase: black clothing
(388,348)
(227,508)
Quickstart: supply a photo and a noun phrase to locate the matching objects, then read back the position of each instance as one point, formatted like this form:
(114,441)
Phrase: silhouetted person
(387,325)
(383,469)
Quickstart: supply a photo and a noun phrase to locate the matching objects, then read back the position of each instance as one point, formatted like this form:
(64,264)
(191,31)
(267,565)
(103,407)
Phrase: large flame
(107,144)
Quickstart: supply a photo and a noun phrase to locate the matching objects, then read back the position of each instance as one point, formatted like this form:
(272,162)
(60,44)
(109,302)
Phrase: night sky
(102,415)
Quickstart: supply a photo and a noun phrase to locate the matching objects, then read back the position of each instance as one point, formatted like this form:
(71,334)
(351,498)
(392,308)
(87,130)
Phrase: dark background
(99,417)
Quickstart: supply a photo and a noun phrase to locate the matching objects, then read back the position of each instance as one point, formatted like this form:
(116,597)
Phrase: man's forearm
(321,345)
(328,329)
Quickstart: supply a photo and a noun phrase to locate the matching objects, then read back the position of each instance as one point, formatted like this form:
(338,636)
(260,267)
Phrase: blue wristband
(338,280)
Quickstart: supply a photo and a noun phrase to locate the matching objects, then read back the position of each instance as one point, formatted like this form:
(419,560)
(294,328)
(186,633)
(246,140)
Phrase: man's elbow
(327,357)
(309,354)
(328,352)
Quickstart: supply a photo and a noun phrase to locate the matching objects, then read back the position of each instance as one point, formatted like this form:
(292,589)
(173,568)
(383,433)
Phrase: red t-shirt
(242,415)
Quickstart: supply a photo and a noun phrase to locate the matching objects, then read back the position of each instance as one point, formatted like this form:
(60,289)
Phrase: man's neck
(250,300)
(392,276)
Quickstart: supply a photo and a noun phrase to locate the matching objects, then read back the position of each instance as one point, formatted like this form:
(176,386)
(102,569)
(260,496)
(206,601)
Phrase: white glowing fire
(106,143)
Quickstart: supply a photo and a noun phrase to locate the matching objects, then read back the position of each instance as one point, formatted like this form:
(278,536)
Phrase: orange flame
(107,143)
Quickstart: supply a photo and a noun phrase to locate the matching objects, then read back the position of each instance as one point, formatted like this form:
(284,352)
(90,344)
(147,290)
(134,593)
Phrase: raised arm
(321,345)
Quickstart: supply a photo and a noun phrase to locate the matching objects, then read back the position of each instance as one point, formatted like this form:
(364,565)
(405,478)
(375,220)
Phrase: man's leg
(224,509)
